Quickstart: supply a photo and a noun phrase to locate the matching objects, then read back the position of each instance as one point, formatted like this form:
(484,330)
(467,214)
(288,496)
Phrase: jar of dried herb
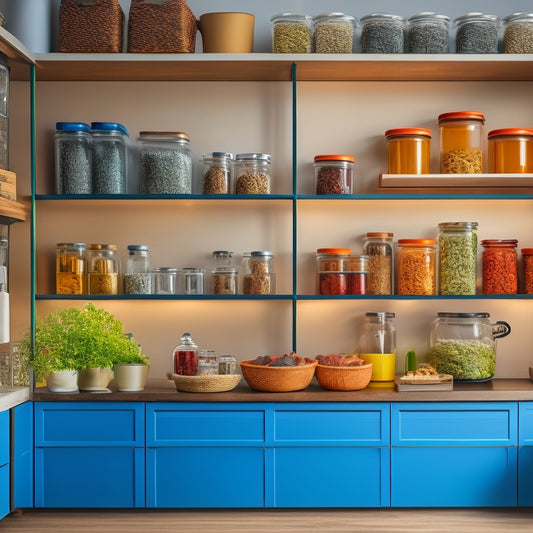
(500,266)
(292,33)
(378,249)
(71,273)
(333,33)
(416,267)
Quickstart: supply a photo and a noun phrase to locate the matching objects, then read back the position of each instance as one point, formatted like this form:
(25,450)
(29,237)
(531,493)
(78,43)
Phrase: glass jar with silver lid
(252,173)
(333,33)
(477,33)
(216,177)
(428,33)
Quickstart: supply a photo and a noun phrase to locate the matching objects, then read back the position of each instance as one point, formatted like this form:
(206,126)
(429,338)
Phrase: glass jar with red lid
(334,174)
(510,150)
(416,267)
(527,261)
(409,150)
(500,266)
(332,266)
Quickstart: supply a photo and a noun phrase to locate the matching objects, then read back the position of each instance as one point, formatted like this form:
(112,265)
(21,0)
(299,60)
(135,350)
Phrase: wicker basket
(168,26)
(205,383)
(278,378)
(343,377)
(90,26)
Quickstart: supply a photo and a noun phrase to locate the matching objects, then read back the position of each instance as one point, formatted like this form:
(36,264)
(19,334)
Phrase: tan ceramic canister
(227,32)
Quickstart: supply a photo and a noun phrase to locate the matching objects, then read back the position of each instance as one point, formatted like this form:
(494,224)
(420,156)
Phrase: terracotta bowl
(278,378)
(344,377)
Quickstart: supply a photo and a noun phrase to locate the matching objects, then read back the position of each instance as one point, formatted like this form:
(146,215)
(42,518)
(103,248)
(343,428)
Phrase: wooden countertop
(162,390)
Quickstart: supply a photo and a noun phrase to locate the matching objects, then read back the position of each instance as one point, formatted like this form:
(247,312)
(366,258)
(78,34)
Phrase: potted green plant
(131,369)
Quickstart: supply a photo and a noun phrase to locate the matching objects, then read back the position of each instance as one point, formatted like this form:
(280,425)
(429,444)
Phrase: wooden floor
(279,521)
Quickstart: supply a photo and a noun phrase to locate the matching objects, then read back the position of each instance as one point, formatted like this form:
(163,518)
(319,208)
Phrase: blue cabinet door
(525,454)
(22,456)
(5,438)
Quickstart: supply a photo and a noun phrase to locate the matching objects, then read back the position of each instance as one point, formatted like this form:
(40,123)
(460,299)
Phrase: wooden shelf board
(11,211)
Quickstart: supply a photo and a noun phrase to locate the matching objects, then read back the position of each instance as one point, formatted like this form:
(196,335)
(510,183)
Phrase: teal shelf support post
(294,209)
(33,281)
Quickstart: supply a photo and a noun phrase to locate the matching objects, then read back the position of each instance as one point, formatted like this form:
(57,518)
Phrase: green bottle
(410,361)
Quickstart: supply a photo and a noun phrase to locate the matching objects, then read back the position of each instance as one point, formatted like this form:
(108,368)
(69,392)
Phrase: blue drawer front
(363,424)
(171,425)
(525,414)
(89,423)
(5,437)
(454,424)
(5,502)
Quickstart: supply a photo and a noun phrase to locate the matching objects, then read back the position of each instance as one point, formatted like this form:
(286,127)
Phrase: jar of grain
(518,33)
(527,261)
(457,258)
(190,281)
(378,249)
(409,150)
(292,33)
(164,280)
(356,274)
(500,260)
(333,33)
(165,162)
(224,280)
(510,150)
(259,277)
(416,267)
(332,264)
(461,142)
(103,268)
(477,33)
(382,33)
(138,277)
(252,173)
(73,158)
(216,177)
(334,174)
(71,273)
(428,33)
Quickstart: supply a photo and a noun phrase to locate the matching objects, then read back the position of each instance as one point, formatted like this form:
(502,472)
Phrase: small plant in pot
(131,368)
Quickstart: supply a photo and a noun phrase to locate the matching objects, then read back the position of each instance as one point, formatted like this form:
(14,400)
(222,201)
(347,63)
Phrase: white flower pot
(95,379)
(63,381)
(131,378)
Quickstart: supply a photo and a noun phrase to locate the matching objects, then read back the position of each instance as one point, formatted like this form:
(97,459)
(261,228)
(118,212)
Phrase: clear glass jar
(207,362)
(382,33)
(334,174)
(332,264)
(190,281)
(461,142)
(138,276)
(164,280)
(464,345)
(500,269)
(4,112)
(527,262)
(333,33)
(409,150)
(518,33)
(260,277)
(377,345)
(185,357)
(510,150)
(416,267)
(428,33)
(224,280)
(252,173)
(71,268)
(73,158)
(457,258)
(103,268)
(110,150)
(227,364)
(292,33)
(378,248)
(477,33)
(356,274)
(216,177)
(165,162)
(222,258)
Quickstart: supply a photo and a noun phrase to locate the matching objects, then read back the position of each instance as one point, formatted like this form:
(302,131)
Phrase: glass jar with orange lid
(416,267)
(332,267)
(500,260)
(334,174)
(527,261)
(461,142)
(409,150)
(510,150)
(379,250)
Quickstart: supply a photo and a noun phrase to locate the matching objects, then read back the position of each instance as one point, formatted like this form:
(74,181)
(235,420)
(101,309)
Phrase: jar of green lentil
(457,258)
(292,33)
(333,33)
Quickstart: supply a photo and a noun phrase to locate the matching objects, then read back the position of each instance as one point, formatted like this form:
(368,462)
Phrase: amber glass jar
(416,266)
(409,150)
(527,260)
(500,266)
(510,150)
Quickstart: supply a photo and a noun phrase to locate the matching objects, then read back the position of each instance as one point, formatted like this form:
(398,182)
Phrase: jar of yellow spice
(103,267)
(71,274)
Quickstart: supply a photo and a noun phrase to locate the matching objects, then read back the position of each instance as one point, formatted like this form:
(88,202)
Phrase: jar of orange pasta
(416,267)
(409,150)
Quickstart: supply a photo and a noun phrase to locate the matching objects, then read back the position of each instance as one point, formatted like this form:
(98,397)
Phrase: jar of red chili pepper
(416,266)
(527,260)
(500,266)
(356,274)
(331,270)
(334,174)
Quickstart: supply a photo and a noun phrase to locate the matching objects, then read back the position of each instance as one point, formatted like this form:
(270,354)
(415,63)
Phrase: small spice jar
(224,280)
(71,273)
(477,33)
(518,33)
(382,33)
(164,280)
(165,162)
(292,33)
(73,158)
(259,277)
(334,174)
(333,33)
(356,274)
(110,148)
(428,33)
(409,150)
(138,277)
(378,249)
(500,260)
(190,281)
(216,178)
(457,258)
(207,362)
(252,173)
(416,267)
(222,258)
(461,142)
(510,150)
(332,264)
(103,268)
(227,364)
(527,261)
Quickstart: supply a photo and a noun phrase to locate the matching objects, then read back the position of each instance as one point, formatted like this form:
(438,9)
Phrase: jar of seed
(165,163)
(224,280)
(71,272)
(164,280)
(190,281)
(252,173)
(428,33)
(216,178)
(333,33)
(457,258)
(73,158)
(292,33)
(332,267)
(477,33)
(334,174)
(378,248)
(510,150)
(138,277)
(461,142)
(500,260)
(110,149)
(518,33)
(382,33)
(103,268)
(409,150)
(527,261)
(259,277)
(416,267)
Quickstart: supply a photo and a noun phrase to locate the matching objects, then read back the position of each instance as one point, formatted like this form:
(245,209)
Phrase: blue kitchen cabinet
(525,454)
(89,454)
(22,442)
(453,454)
(5,437)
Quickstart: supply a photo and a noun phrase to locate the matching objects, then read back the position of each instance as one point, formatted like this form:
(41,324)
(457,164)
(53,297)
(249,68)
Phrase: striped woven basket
(278,378)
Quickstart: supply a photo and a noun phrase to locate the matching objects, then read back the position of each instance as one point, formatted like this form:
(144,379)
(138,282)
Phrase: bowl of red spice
(342,372)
